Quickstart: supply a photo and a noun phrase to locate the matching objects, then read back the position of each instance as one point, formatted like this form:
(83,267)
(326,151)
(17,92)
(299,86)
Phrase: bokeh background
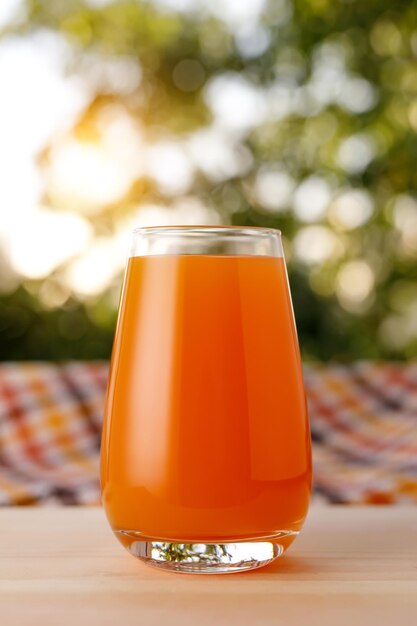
(294,114)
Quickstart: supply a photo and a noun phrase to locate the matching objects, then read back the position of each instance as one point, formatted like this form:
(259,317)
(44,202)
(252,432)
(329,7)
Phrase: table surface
(63,566)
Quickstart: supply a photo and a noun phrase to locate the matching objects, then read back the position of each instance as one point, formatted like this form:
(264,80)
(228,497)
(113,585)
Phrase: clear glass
(206,456)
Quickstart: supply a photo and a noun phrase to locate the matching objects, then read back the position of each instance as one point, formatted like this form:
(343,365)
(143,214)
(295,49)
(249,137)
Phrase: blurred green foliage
(331,71)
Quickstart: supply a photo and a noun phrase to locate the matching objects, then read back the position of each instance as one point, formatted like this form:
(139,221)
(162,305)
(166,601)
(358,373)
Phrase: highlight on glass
(206,456)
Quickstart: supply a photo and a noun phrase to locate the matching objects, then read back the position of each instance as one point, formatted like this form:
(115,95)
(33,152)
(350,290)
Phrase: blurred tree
(299,115)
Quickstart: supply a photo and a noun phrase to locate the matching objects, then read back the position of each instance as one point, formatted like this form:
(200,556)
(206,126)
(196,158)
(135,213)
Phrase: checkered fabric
(50,423)
(363,419)
(364,431)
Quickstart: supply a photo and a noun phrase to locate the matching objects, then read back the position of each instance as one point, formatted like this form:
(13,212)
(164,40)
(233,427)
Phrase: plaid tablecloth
(363,420)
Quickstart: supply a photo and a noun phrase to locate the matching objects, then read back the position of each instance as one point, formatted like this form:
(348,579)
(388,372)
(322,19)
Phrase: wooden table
(350,566)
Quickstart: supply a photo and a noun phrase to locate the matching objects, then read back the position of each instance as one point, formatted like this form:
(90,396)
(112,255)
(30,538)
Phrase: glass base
(207,558)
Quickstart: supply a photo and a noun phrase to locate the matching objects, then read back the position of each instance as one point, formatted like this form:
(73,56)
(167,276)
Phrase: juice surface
(206,432)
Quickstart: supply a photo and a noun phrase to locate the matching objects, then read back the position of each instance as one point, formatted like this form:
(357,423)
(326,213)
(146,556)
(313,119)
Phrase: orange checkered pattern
(363,420)
(50,423)
(364,431)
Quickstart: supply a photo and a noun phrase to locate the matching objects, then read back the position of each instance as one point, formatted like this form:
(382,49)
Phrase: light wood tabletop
(350,566)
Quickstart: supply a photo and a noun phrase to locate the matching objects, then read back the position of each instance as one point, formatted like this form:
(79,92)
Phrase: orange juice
(206,433)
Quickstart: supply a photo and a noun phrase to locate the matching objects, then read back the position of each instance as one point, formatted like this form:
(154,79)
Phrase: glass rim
(204,229)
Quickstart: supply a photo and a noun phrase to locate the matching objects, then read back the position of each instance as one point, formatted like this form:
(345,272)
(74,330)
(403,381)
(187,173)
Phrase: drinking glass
(206,456)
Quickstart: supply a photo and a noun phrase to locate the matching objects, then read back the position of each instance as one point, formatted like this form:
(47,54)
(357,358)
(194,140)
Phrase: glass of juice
(206,455)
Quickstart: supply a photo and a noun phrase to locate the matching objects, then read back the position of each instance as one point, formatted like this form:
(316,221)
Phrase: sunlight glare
(236,103)
(217,155)
(352,208)
(11,10)
(316,244)
(87,176)
(273,188)
(168,164)
(93,272)
(45,240)
(354,283)
(231,12)
(311,199)
(356,153)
